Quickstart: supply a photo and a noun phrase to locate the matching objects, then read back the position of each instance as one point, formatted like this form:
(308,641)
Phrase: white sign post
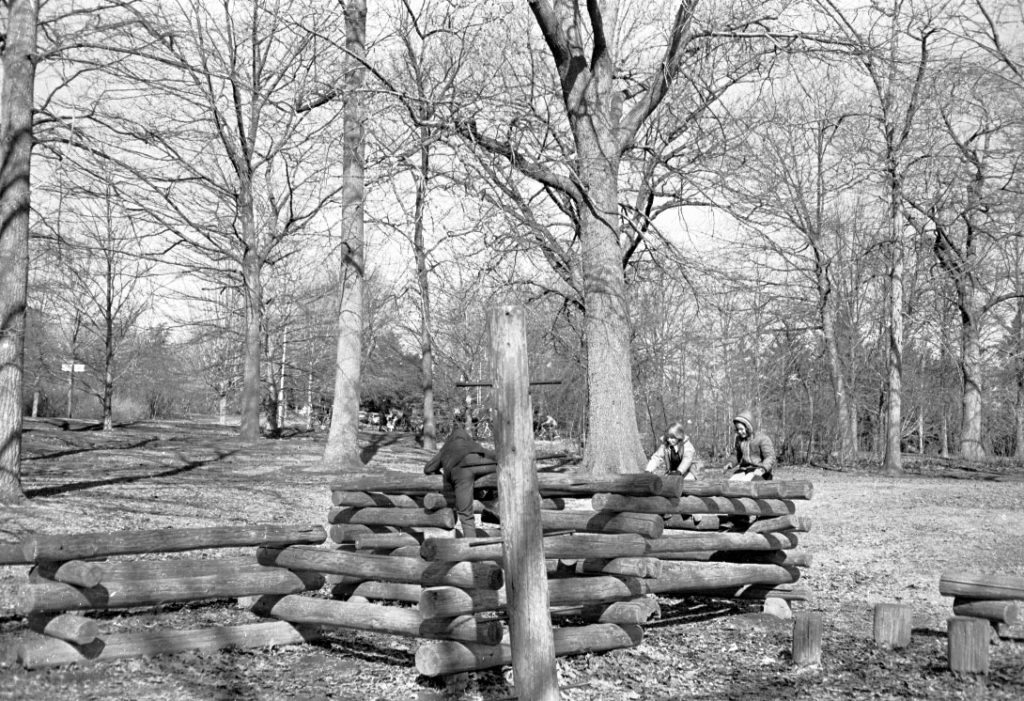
(71,368)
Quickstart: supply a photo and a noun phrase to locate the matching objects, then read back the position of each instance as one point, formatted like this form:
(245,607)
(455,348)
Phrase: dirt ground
(874,539)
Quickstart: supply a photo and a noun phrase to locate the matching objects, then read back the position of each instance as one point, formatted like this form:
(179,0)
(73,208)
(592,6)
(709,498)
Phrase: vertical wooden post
(526,582)
(893,624)
(806,638)
(968,644)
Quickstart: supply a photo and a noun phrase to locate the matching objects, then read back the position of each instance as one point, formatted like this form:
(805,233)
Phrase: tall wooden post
(526,582)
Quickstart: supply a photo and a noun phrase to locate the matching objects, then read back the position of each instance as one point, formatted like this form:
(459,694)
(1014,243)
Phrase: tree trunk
(342,450)
(19,55)
(970,368)
(1018,368)
(613,439)
(253,285)
(892,462)
(423,283)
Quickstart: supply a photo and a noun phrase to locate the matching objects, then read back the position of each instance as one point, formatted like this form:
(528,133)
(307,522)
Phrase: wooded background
(816,215)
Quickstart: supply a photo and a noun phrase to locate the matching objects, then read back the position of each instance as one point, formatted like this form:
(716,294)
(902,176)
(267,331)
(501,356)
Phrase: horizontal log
(757,592)
(122,570)
(438,658)
(48,652)
(343,533)
(13,554)
(446,602)
(981,586)
(690,541)
(683,577)
(384,516)
(789,558)
(564,547)
(1007,612)
(398,540)
(550,484)
(377,618)
(774,489)
(56,596)
(379,591)
(698,522)
(790,522)
(71,627)
(385,568)
(365,499)
(62,548)
(647,525)
(624,566)
(693,505)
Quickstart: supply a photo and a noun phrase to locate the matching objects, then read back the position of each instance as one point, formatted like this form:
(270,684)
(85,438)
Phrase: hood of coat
(747,419)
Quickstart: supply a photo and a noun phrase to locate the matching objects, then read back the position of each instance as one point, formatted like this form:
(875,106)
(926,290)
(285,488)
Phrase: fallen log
(70,627)
(647,525)
(1007,612)
(563,547)
(56,596)
(551,484)
(61,548)
(377,618)
(446,602)
(693,505)
(383,516)
(13,554)
(981,586)
(675,486)
(47,652)
(799,524)
(385,568)
(690,541)
(688,577)
(438,658)
(369,541)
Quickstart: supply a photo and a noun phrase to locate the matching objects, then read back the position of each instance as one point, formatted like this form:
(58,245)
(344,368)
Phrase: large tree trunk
(19,70)
(342,449)
(1018,369)
(847,436)
(613,438)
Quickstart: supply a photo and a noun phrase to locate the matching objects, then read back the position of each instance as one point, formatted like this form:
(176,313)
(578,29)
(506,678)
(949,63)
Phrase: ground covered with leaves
(874,539)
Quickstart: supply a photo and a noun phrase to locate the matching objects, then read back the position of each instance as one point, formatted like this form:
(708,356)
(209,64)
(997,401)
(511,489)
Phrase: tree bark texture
(18,90)
(342,450)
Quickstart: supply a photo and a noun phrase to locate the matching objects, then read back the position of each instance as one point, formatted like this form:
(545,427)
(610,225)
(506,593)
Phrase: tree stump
(807,628)
(968,644)
(893,624)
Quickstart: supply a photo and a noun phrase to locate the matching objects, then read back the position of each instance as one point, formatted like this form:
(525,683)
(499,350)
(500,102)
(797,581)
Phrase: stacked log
(67,580)
(992,597)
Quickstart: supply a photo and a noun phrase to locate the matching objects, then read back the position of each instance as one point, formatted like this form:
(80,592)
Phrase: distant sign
(77,367)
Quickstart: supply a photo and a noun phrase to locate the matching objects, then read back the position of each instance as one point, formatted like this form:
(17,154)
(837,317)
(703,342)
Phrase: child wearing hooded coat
(755,454)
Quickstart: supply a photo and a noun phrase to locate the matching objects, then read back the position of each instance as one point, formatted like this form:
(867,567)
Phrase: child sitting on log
(674,455)
(461,460)
(755,454)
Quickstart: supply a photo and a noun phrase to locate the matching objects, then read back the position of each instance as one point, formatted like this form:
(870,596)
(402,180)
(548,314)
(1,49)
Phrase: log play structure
(570,563)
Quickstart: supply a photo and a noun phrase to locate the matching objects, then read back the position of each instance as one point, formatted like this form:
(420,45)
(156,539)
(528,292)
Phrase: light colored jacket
(666,459)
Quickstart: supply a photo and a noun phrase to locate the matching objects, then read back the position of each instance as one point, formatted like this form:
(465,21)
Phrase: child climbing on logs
(461,460)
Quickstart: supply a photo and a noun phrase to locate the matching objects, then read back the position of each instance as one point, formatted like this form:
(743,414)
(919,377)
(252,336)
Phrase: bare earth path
(874,539)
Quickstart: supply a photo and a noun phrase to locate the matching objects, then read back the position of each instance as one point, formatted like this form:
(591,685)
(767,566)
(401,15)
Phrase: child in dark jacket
(461,460)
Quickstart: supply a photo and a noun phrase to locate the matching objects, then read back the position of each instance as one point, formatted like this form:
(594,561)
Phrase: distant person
(461,460)
(549,428)
(755,454)
(674,455)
